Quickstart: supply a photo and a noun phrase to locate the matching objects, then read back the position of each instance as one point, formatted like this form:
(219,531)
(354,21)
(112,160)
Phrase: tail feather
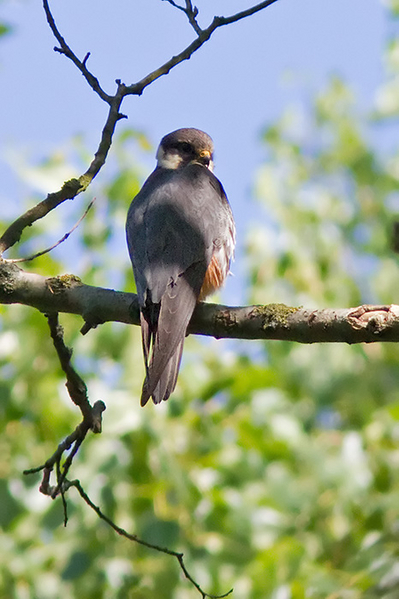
(167,381)
(145,338)
(164,328)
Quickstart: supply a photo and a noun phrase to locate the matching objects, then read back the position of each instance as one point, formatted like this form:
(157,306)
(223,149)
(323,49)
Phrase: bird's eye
(186,147)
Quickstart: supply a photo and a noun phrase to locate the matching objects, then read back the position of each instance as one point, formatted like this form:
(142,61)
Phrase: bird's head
(183,147)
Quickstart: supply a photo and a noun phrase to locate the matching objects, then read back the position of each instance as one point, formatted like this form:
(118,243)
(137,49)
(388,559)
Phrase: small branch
(92,418)
(52,247)
(203,36)
(244,14)
(175,5)
(91,421)
(107,133)
(75,384)
(75,439)
(66,50)
(71,188)
(191,12)
(136,539)
(138,88)
(13,233)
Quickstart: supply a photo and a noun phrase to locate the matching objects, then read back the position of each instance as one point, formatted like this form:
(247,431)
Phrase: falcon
(181,235)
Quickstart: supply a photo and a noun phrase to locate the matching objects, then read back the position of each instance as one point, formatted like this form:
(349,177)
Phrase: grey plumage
(176,223)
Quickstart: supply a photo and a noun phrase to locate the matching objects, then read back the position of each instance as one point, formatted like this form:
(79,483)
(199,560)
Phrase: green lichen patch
(274,315)
(63,282)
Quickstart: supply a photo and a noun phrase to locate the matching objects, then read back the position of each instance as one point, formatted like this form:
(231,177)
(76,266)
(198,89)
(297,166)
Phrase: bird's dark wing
(173,226)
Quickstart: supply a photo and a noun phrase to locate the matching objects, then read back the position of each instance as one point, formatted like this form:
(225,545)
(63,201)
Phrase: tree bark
(96,305)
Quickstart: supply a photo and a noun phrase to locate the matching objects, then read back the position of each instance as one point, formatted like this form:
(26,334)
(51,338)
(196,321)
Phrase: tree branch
(203,36)
(132,537)
(190,11)
(57,243)
(74,187)
(96,305)
(92,417)
(80,64)
(244,14)
(137,88)
(92,420)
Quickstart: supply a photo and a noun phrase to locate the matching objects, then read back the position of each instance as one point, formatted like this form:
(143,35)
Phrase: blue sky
(232,87)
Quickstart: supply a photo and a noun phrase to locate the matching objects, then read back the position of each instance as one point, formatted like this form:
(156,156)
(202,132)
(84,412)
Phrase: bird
(181,236)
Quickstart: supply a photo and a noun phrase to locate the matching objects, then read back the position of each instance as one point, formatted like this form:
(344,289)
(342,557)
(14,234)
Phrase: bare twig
(132,537)
(13,233)
(244,13)
(81,65)
(173,3)
(72,188)
(191,13)
(75,384)
(52,247)
(137,88)
(92,417)
(75,439)
(91,421)
(203,36)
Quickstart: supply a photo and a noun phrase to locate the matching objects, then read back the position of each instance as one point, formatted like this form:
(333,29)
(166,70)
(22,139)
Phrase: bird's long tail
(167,381)
(164,329)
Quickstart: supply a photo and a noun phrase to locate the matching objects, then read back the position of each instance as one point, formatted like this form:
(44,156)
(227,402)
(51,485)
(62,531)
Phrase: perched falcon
(181,235)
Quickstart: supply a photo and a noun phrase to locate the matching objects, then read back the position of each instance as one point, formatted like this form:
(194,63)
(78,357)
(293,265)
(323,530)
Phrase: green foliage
(4,29)
(274,465)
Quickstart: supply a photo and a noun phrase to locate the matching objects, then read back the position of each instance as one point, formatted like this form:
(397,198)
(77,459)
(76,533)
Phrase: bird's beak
(205,158)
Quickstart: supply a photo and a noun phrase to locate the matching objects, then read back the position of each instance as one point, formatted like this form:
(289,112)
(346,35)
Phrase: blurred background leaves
(275,466)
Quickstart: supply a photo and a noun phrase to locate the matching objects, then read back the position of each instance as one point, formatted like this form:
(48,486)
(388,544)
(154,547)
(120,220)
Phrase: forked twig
(75,385)
(132,537)
(72,188)
(91,421)
(203,35)
(92,418)
(191,13)
(80,64)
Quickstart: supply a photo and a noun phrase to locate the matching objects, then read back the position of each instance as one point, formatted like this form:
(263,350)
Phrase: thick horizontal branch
(66,294)
(364,324)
